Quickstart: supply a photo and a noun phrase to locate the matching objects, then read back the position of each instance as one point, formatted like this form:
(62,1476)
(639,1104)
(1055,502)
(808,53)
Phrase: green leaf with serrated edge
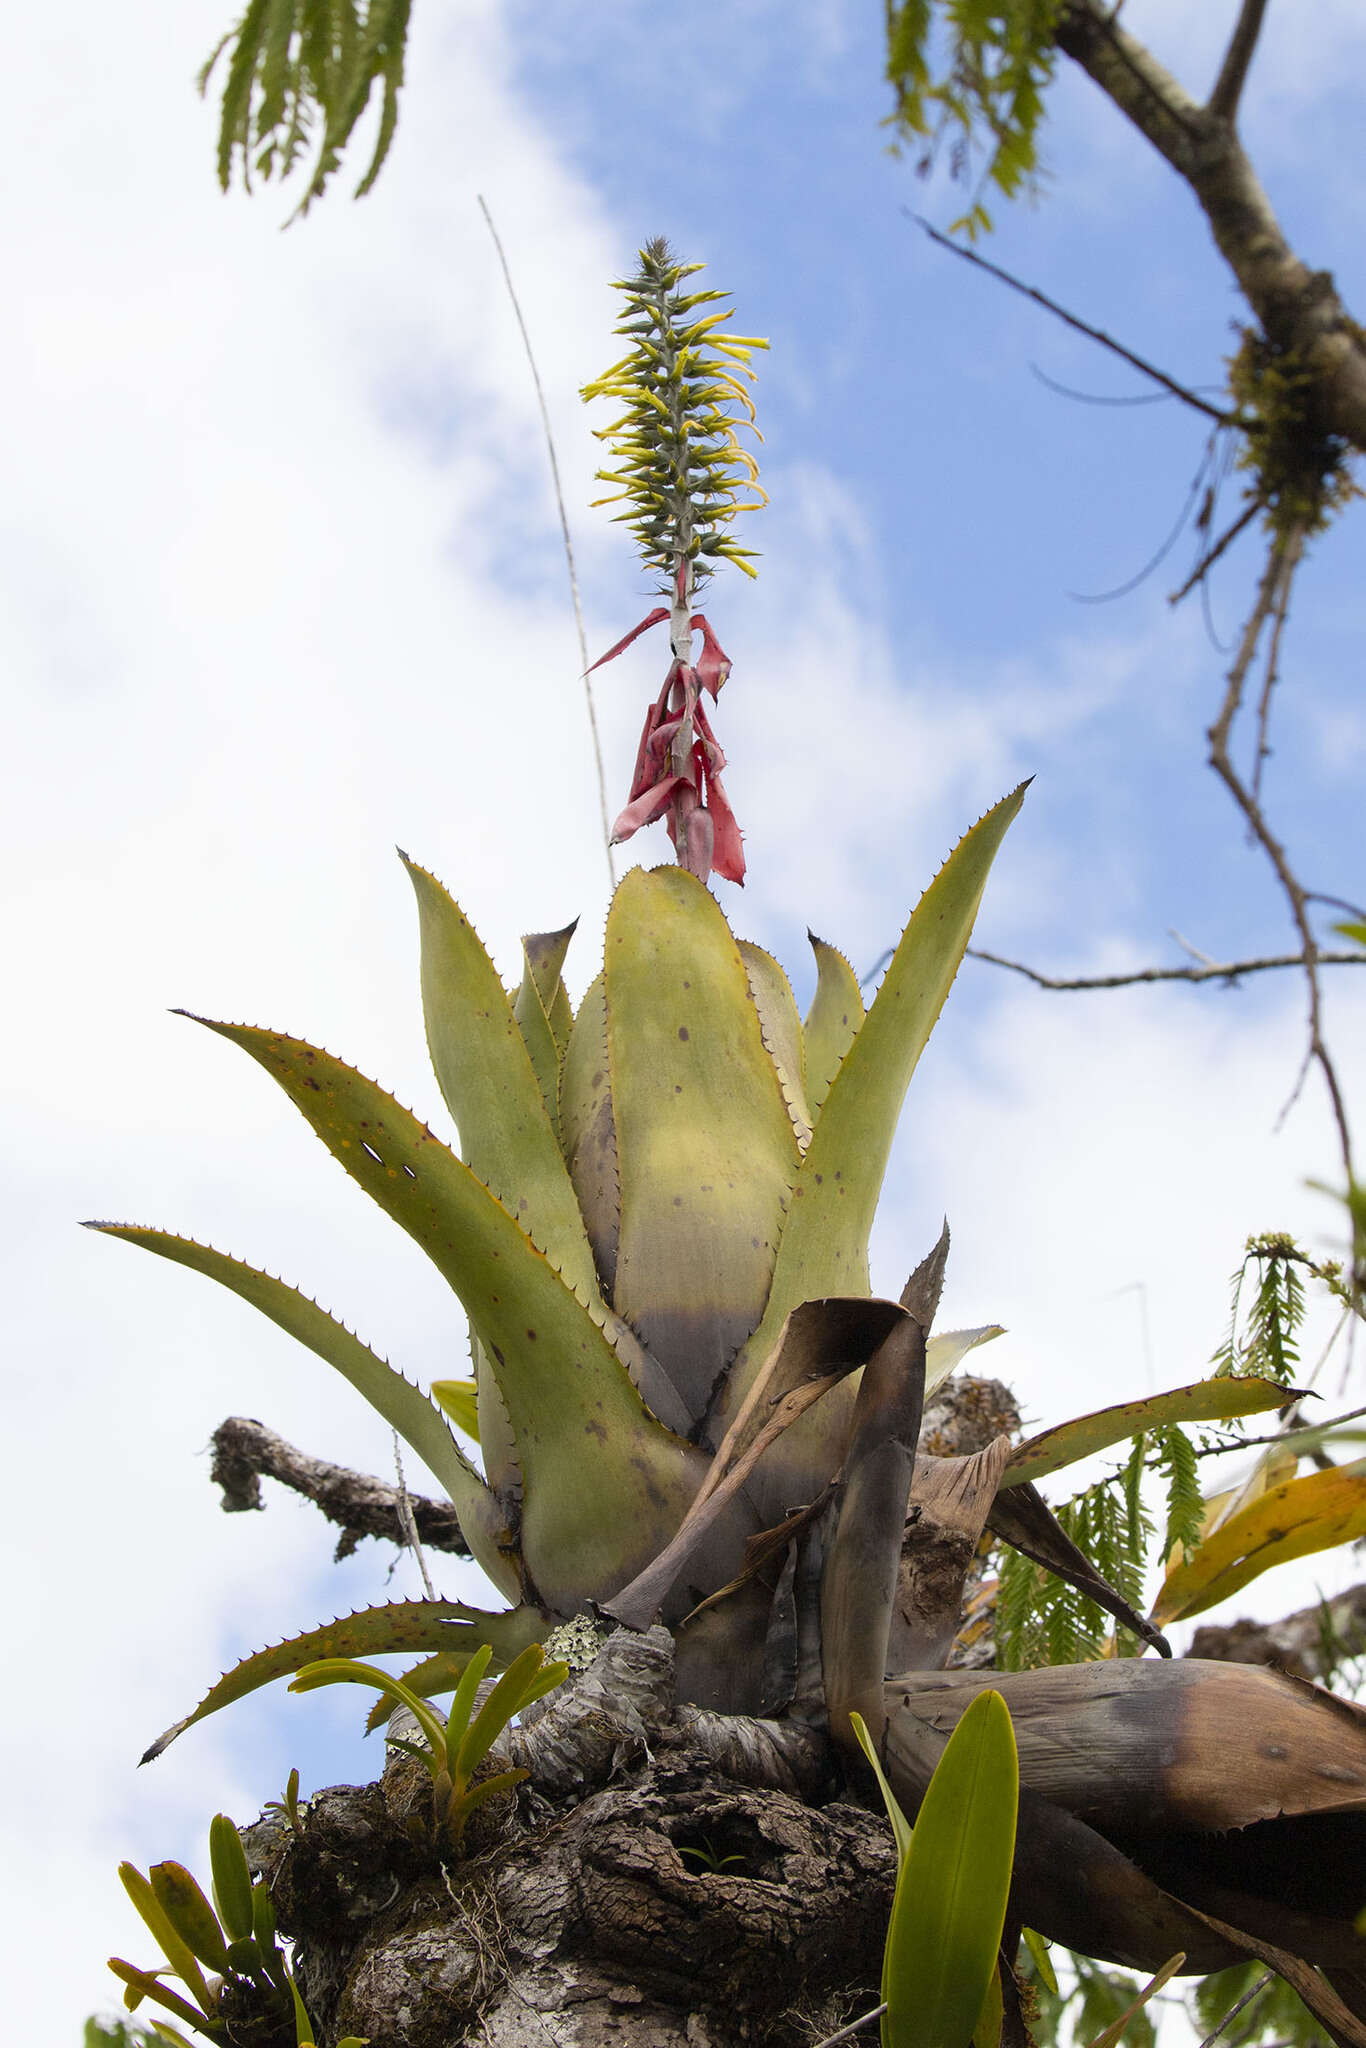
(349,1671)
(403,1406)
(497,1449)
(1318,1512)
(404,1625)
(231,1877)
(835,1015)
(507,1136)
(1216,1400)
(946,1352)
(539,1039)
(560,1378)
(460,1400)
(190,1913)
(824,1247)
(705,1147)
(173,1944)
(950,1902)
(543,959)
(429,1679)
(782,1032)
(587,1130)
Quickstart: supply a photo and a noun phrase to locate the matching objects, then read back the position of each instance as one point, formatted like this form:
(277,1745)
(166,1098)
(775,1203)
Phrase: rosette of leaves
(659,1196)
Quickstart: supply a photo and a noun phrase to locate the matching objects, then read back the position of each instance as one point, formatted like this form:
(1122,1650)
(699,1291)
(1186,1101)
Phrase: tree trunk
(640,1890)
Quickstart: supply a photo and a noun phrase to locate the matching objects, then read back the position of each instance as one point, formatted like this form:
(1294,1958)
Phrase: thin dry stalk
(568,544)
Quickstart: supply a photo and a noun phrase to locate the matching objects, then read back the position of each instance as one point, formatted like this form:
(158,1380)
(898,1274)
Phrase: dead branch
(245,1452)
(1029,291)
(1308,1644)
(1298,309)
(1272,602)
(1230,971)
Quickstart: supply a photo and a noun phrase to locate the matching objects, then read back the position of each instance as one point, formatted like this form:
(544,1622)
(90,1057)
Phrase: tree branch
(1273,597)
(245,1452)
(1308,1644)
(1228,87)
(1029,291)
(1229,971)
(1297,308)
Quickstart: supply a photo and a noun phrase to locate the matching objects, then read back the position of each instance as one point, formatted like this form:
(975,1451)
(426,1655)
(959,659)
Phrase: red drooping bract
(679,762)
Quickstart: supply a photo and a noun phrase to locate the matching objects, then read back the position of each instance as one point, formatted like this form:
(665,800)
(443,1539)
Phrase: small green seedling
(454,1748)
(234,1937)
(289,1807)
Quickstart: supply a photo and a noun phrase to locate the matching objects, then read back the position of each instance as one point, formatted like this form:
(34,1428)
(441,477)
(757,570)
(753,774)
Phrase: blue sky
(281,586)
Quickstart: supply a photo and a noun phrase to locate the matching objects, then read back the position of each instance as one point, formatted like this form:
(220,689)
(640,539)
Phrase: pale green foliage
(678,464)
(970,78)
(1263,1335)
(299,75)
(115,2034)
(1042,1620)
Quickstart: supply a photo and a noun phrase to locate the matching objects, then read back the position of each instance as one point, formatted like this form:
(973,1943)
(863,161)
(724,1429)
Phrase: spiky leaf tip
(680,473)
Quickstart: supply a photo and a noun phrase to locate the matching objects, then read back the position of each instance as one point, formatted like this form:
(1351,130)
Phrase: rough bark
(1297,308)
(637,1892)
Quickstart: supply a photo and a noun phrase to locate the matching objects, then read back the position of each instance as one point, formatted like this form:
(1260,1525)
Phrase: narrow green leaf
(987,2031)
(522,1681)
(142,1984)
(831,1023)
(1110,2037)
(190,1913)
(348,1671)
(303,2026)
(1043,1962)
(404,1407)
(901,1827)
(705,1148)
(824,1246)
(488,1788)
(561,1379)
(951,1894)
(462,1706)
(429,1679)
(1214,1400)
(406,1625)
(173,1944)
(231,1877)
(507,1136)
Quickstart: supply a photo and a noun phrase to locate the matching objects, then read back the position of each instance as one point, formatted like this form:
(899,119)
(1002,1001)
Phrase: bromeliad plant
(690,1409)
